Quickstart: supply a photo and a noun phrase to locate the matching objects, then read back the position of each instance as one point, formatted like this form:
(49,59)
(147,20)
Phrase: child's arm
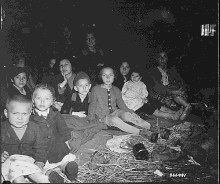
(120,102)
(144,91)
(62,128)
(93,105)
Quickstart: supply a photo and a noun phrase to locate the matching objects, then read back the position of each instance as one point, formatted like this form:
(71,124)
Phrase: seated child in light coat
(55,133)
(134,92)
(23,153)
(103,107)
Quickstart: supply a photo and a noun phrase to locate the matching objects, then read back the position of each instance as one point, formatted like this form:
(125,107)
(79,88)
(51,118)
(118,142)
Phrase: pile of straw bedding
(121,165)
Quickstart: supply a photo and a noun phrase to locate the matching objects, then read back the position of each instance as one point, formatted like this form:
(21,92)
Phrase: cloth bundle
(82,130)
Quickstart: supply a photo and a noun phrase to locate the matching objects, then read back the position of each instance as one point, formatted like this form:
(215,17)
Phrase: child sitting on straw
(55,133)
(23,153)
(75,111)
(103,107)
(134,92)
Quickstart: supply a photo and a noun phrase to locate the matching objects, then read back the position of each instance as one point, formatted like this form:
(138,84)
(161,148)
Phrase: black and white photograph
(109,91)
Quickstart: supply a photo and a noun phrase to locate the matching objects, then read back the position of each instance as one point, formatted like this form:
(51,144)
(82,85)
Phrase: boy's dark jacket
(55,133)
(31,143)
(74,104)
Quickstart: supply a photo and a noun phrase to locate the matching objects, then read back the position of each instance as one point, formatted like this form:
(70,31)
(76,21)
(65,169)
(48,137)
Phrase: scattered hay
(120,168)
(123,167)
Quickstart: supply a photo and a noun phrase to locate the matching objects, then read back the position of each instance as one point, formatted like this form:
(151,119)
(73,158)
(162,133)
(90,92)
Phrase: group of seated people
(46,123)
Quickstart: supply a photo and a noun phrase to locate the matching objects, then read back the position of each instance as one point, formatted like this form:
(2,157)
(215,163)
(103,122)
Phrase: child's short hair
(18,98)
(138,72)
(45,87)
(81,75)
(14,71)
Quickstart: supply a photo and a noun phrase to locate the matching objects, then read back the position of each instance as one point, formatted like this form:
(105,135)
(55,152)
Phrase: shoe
(165,133)
(97,158)
(54,177)
(71,170)
(153,128)
(154,137)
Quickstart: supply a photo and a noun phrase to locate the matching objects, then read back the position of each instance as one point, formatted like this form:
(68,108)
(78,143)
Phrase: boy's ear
(75,88)
(6,113)
(90,85)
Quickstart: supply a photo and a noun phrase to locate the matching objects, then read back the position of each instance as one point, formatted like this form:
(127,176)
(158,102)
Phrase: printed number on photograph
(208,29)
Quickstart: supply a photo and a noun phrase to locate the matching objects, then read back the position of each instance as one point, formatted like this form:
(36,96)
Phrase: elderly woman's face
(124,69)
(90,40)
(65,67)
(162,59)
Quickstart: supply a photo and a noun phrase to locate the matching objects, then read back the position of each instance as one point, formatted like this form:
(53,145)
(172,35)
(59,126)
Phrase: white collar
(82,98)
(44,114)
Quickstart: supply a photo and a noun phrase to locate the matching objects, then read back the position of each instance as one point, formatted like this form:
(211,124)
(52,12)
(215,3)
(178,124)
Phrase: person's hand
(58,105)
(145,100)
(64,80)
(40,165)
(5,156)
(80,114)
(64,77)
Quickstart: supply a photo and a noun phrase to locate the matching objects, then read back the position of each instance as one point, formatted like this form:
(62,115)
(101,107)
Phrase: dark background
(135,31)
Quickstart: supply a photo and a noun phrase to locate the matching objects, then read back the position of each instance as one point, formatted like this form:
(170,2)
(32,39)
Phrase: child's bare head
(43,96)
(135,76)
(82,83)
(107,75)
(18,110)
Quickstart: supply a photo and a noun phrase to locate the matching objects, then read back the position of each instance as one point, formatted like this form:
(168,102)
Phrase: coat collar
(11,132)
(75,96)
(42,113)
(50,116)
